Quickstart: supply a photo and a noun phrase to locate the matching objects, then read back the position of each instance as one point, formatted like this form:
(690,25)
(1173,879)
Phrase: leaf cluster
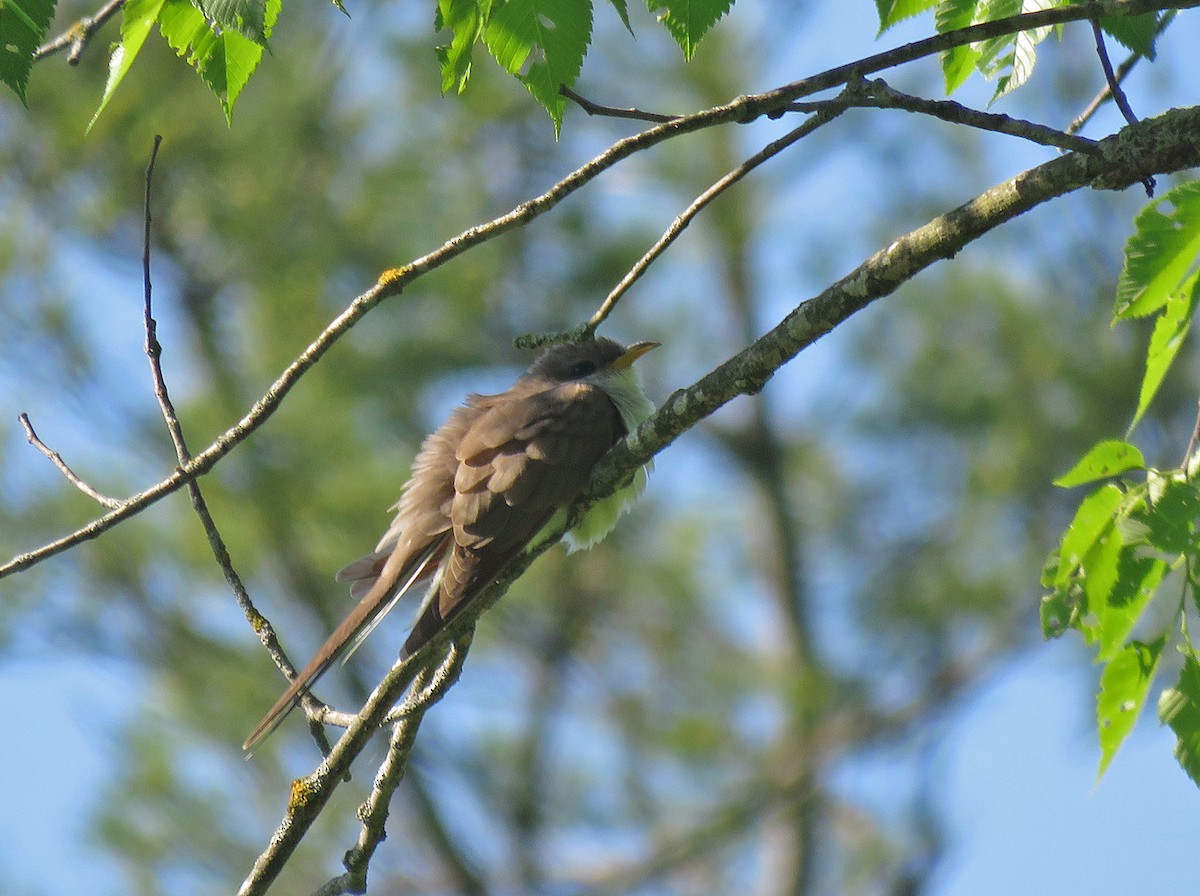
(1128,536)
(1009,59)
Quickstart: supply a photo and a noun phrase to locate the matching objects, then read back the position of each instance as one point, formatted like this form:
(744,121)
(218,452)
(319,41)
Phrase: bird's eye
(582,368)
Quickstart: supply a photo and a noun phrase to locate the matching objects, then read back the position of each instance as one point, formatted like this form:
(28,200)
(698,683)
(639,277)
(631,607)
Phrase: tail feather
(370,610)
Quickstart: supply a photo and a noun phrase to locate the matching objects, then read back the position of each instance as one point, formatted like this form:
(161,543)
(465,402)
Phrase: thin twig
(446,674)
(1103,96)
(592,108)
(258,622)
(1191,446)
(80,34)
(878,94)
(697,205)
(67,472)
(1122,72)
(1118,94)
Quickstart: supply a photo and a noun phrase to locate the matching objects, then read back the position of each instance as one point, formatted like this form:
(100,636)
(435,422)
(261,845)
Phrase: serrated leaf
(1179,707)
(23,27)
(1092,520)
(1084,567)
(1169,519)
(1161,253)
(893,11)
(688,20)
(1136,33)
(1124,685)
(247,17)
(224,61)
(959,62)
(1169,330)
(465,21)
(138,17)
(543,43)
(623,11)
(1137,582)
(1105,459)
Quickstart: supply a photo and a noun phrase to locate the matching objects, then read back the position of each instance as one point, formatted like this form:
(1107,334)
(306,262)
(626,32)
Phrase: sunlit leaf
(623,11)
(1170,328)
(1086,563)
(465,22)
(1138,578)
(247,17)
(23,26)
(893,11)
(1162,252)
(1106,459)
(543,43)
(1179,707)
(957,63)
(138,17)
(1124,684)
(689,20)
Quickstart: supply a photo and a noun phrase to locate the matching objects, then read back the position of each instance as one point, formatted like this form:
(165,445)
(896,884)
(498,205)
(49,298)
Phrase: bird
(483,487)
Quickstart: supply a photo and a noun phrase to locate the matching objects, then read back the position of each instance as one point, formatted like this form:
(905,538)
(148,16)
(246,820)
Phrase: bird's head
(604,363)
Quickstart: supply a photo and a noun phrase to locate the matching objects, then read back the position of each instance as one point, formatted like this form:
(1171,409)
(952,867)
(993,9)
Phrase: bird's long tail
(391,585)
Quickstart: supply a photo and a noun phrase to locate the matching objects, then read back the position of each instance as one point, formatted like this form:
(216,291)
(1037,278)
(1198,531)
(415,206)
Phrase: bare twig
(592,108)
(258,622)
(80,34)
(878,94)
(1104,95)
(1121,73)
(1114,89)
(697,205)
(1191,446)
(67,472)
(741,110)
(446,674)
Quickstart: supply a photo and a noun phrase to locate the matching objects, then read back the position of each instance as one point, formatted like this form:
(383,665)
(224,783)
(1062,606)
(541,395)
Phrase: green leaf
(1086,564)
(1136,33)
(1092,520)
(465,21)
(545,39)
(1137,582)
(1015,66)
(1169,518)
(1105,459)
(23,26)
(224,61)
(959,62)
(1170,328)
(247,17)
(893,11)
(138,17)
(1124,685)
(688,20)
(623,11)
(1161,253)
(1179,707)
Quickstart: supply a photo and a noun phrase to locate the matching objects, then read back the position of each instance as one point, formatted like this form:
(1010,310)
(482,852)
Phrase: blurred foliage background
(819,579)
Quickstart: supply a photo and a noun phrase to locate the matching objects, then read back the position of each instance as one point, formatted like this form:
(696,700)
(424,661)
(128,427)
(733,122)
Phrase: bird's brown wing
(528,452)
(409,553)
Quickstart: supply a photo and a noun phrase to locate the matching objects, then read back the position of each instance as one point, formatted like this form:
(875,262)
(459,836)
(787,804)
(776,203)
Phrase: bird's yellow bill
(632,353)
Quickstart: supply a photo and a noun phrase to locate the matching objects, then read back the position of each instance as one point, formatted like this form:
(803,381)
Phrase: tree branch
(32,437)
(80,34)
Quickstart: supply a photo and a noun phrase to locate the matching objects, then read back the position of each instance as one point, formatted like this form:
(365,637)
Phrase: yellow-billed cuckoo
(483,486)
